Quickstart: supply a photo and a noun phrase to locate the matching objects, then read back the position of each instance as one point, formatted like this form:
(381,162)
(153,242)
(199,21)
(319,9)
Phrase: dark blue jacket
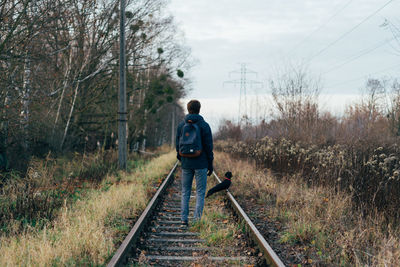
(205,160)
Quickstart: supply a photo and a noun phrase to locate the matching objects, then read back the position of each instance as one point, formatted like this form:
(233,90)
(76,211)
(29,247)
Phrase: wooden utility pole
(122,113)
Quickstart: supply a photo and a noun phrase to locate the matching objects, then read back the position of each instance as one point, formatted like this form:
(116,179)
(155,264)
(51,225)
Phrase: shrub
(373,177)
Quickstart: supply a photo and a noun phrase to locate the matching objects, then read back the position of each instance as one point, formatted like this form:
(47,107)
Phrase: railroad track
(157,239)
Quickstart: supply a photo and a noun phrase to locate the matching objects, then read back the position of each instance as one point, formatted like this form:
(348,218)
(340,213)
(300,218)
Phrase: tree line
(59,76)
(295,114)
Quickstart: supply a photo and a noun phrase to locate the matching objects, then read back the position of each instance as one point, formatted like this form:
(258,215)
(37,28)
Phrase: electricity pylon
(243,115)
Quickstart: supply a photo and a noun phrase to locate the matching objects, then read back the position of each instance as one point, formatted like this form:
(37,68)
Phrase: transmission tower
(243,81)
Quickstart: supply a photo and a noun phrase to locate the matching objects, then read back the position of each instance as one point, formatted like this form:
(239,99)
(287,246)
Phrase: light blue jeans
(201,185)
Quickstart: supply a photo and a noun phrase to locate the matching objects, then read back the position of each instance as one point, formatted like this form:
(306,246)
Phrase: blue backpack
(190,140)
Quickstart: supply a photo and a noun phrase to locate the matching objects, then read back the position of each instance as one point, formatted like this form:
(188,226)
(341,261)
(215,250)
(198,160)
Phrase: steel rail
(120,256)
(268,253)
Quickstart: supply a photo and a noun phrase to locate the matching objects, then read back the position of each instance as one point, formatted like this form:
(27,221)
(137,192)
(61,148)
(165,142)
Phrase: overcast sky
(267,34)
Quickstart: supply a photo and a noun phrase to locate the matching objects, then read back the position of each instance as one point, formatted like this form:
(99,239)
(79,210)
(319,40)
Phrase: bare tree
(393,108)
(295,94)
(58,71)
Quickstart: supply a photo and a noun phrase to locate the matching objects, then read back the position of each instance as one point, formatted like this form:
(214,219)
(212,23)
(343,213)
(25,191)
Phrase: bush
(372,176)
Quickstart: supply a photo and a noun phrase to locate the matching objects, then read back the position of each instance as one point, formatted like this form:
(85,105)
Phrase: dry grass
(223,234)
(85,233)
(216,225)
(320,221)
(369,173)
(34,199)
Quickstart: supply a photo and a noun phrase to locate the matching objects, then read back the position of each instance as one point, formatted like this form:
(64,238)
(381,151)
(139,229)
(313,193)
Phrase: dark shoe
(184,224)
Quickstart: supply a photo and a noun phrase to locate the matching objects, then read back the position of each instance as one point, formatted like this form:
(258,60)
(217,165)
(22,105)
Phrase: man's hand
(210,170)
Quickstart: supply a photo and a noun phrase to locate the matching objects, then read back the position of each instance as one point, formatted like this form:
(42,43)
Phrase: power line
(362,53)
(320,27)
(349,31)
(364,76)
(395,31)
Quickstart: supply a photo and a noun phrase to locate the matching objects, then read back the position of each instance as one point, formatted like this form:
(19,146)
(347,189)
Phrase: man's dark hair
(193,107)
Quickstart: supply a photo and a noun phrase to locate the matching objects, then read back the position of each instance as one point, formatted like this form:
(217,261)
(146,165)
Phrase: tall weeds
(33,200)
(87,232)
(321,223)
(373,177)
(358,152)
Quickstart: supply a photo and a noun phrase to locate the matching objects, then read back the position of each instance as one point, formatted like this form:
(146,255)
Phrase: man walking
(194,146)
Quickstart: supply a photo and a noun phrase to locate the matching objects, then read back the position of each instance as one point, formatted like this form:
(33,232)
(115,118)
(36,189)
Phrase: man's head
(193,107)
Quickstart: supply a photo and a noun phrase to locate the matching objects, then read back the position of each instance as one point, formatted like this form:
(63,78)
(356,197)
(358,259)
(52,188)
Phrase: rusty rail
(268,253)
(120,256)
